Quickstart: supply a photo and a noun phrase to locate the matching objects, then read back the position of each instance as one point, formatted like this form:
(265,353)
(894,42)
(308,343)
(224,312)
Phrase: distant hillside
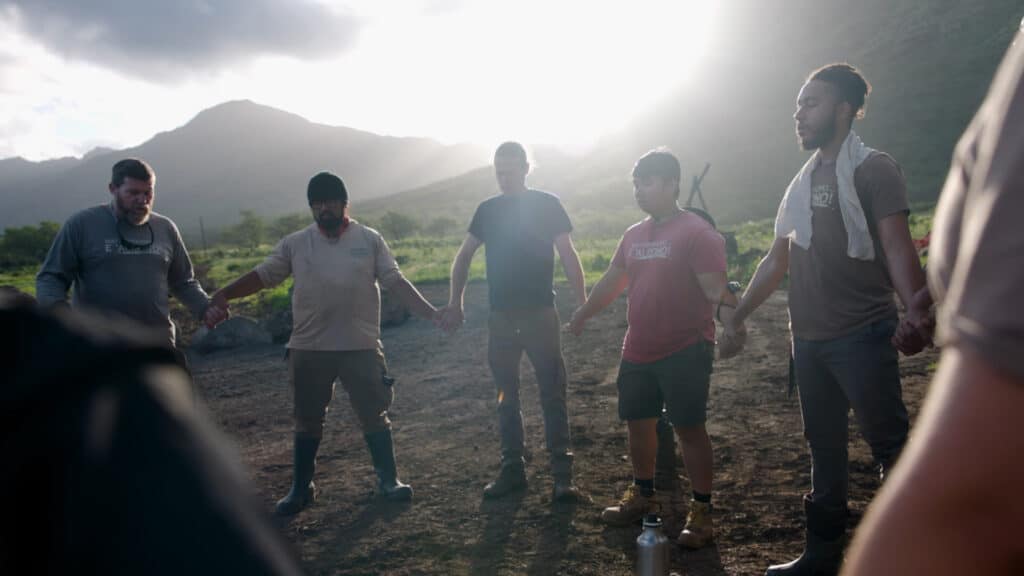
(18,171)
(930,62)
(235,156)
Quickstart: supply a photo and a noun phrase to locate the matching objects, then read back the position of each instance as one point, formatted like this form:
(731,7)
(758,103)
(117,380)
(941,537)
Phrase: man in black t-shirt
(519,227)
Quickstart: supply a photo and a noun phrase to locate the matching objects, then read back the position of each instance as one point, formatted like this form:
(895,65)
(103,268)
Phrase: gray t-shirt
(976,257)
(114,269)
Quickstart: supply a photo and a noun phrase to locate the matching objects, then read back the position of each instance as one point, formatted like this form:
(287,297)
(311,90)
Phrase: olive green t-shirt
(832,294)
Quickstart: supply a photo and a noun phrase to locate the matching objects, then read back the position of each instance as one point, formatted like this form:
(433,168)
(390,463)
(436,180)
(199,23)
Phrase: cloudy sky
(75,74)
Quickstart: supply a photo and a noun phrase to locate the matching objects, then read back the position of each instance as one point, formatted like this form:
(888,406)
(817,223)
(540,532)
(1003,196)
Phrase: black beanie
(325,187)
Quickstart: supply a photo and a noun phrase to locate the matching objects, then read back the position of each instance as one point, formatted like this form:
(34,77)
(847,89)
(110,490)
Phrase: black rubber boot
(563,489)
(823,551)
(382,452)
(511,478)
(303,490)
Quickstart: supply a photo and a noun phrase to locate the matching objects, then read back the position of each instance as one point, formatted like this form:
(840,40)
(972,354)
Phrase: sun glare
(545,72)
(559,73)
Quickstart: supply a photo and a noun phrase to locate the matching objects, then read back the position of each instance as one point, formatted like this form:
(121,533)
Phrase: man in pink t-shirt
(674,266)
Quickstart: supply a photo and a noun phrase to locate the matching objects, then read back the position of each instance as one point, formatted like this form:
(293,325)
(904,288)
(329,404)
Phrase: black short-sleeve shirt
(519,231)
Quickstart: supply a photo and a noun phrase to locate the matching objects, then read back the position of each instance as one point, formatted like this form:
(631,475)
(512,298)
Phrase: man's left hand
(917,328)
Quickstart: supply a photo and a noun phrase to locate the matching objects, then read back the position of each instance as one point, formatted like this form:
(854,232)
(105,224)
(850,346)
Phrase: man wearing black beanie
(339,266)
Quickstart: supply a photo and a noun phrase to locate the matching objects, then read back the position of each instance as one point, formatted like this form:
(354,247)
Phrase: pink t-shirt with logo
(667,308)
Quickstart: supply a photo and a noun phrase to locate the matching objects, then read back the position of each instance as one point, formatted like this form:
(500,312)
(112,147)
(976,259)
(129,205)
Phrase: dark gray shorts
(679,383)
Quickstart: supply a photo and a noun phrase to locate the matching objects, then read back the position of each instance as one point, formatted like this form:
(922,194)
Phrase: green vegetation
(23,278)
(424,258)
(26,245)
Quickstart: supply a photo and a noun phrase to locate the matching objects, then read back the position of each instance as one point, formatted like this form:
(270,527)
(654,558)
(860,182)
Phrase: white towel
(794,217)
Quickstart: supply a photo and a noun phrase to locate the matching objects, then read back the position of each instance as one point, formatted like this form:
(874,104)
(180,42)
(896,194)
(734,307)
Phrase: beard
(133,213)
(818,138)
(331,223)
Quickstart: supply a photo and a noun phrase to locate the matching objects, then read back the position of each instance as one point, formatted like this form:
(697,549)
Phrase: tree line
(253,230)
(27,245)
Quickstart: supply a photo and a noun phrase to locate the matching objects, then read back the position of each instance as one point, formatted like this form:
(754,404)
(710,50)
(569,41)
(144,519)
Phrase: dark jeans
(537,332)
(859,370)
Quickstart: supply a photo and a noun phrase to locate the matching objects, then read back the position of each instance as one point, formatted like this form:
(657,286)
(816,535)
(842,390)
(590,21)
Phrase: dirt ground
(445,429)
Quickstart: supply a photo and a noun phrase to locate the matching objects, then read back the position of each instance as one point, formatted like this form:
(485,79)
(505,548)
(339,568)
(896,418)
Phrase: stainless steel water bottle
(652,549)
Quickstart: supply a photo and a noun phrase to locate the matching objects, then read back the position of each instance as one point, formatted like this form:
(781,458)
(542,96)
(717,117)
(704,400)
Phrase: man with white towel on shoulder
(842,235)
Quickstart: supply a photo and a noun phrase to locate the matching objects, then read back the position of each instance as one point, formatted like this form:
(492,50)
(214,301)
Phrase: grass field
(426,260)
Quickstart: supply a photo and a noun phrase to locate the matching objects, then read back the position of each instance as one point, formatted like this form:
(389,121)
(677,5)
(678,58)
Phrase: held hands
(450,318)
(734,335)
(917,327)
(732,341)
(217,311)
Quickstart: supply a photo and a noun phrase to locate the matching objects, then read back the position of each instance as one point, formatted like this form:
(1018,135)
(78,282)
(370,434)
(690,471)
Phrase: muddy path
(446,439)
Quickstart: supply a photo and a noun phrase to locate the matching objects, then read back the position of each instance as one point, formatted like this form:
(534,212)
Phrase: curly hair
(851,85)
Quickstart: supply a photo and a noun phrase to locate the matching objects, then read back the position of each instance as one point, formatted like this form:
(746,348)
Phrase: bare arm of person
(573,269)
(769,274)
(607,289)
(908,280)
(246,285)
(408,295)
(452,316)
(714,286)
(949,506)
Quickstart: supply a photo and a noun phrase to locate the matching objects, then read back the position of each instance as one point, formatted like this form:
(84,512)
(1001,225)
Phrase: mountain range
(235,156)
(930,63)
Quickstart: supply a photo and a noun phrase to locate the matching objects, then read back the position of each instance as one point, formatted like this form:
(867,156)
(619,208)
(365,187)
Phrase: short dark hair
(131,168)
(659,162)
(326,187)
(512,150)
(853,88)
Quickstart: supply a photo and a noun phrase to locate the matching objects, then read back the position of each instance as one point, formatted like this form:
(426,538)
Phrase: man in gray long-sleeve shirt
(124,258)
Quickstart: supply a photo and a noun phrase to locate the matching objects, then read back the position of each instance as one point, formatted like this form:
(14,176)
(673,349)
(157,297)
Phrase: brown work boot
(630,508)
(511,478)
(700,528)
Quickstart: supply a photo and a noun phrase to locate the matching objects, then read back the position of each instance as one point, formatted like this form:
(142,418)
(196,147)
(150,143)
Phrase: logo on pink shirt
(650,250)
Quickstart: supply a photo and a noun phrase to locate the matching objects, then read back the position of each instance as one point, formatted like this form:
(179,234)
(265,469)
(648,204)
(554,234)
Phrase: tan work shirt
(336,301)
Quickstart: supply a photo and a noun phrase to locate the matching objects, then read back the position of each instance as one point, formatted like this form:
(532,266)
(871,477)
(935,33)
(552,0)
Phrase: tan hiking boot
(700,529)
(630,509)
